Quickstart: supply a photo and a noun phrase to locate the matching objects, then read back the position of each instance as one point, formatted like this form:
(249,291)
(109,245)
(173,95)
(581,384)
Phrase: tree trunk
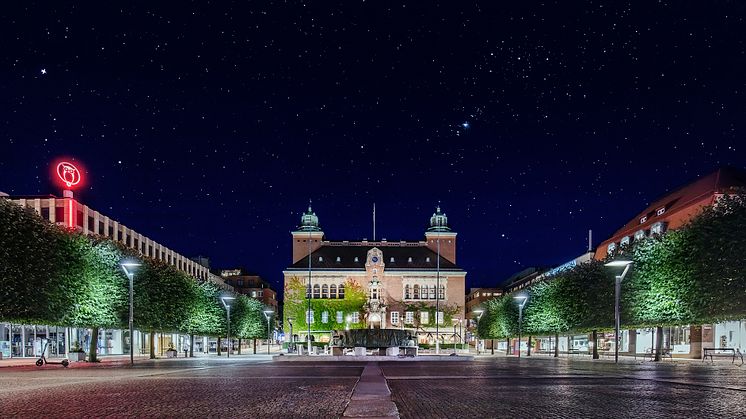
(254,346)
(528,346)
(191,346)
(239,346)
(219,346)
(492,345)
(152,345)
(658,342)
(595,344)
(556,344)
(93,347)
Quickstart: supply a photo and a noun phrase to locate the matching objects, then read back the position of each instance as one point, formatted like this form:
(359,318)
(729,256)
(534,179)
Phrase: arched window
(407,292)
(316,291)
(432,292)
(324,291)
(416,292)
(341,293)
(333,291)
(442,293)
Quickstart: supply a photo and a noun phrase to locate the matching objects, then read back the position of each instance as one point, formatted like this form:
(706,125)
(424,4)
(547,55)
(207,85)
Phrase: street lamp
(479,312)
(129,268)
(521,300)
(292,343)
(623,265)
(227,301)
(268,315)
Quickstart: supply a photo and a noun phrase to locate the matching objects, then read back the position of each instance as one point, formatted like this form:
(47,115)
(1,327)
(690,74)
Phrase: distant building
(251,285)
(674,209)
(476,297)
(401,280)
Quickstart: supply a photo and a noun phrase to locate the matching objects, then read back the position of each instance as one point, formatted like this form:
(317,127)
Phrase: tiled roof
(720,181)
(347,254)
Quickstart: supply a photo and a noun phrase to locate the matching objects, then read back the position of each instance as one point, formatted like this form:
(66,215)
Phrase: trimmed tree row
(52,276)
(693,275)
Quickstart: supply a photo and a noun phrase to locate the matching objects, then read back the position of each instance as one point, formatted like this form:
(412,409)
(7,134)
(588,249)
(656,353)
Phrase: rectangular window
(340,317)
(92,225)
(424,317)
(309,317)
(440,317)
(394,317)
(45,213)
(261,293)
(59,214)
(409,317)
(324,317)
(355,317)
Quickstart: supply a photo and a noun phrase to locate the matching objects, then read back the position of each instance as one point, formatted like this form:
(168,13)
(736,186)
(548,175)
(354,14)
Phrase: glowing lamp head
(68,174)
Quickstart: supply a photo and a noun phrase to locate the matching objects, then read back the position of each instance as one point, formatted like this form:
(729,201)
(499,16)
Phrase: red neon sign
(68,173)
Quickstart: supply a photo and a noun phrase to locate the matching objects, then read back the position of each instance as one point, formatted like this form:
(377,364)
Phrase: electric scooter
(43,360)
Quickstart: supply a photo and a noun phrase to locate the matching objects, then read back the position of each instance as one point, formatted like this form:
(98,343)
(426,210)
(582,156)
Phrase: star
(43,71)
(466,124)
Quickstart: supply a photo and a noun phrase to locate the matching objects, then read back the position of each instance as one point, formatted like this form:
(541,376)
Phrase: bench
(709,351)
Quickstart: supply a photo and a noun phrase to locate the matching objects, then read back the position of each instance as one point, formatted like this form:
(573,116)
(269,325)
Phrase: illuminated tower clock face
(374,259)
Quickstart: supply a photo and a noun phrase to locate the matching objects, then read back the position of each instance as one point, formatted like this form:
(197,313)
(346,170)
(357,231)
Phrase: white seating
(360,351)
(392,351)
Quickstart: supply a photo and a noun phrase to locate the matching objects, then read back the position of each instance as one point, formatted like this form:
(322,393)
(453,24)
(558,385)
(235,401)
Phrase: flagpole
(374,221)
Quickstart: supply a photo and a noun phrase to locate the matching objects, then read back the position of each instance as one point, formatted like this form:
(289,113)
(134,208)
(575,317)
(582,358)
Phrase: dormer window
(339,259)
(321,258)
(643,219)
(658,228)
(661,211)
(409,260)
(427,259)
(392,259)
(357,259)
(610,248)
(639,235)
(625,241)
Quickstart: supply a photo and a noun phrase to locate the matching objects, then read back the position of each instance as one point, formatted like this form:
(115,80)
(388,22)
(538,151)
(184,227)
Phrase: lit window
(357,259)
(611,248)
(424,317)
(440,317)
(661,211)
(409,260)
(394,317)
(339,259)
(639,235)
(341,293)
(442,292)
(416,292)
(407,292)
(321,258)
(355,317)
(340,317)
(324,291)
(333,291)
(409,317)
(324,317)
(625,241)
(260,293)
(309,317)
(316,291)
(427,259)
(392,259)
(253,294)
(432,292)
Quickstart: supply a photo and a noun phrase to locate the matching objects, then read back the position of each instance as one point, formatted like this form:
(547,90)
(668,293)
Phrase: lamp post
(129,268)
(268,315)
(624,265)
(227,301)
(521,299)
(292,343)
(479,312)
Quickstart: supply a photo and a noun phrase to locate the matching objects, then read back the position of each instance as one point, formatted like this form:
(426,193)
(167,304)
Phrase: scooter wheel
(65,363)
(39,362)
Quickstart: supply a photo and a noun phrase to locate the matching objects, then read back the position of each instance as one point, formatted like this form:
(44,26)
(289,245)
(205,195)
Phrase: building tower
(439,230)
(308,230)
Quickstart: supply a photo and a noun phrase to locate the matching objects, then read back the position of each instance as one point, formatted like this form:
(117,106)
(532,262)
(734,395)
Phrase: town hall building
(404,284)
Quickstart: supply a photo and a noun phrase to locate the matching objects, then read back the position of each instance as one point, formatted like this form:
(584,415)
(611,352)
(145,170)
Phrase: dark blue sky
(209,126)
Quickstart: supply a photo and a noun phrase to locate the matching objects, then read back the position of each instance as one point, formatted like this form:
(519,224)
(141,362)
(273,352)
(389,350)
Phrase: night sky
(208,126)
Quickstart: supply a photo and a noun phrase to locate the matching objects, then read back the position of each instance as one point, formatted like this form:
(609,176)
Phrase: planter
(171,353)
(76,356)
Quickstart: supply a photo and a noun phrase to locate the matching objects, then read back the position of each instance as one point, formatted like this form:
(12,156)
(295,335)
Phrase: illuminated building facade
(403,281)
